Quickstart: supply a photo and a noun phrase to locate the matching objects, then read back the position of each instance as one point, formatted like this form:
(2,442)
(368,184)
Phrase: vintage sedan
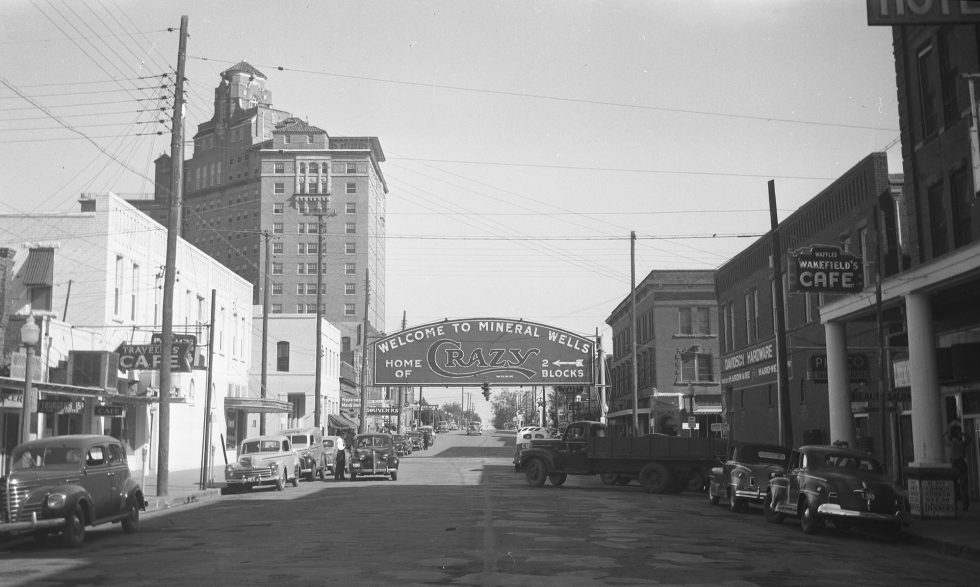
(374,455)
(308,444)
(66,483)
(262,460)
(403,445)
(744,476)
(845,486)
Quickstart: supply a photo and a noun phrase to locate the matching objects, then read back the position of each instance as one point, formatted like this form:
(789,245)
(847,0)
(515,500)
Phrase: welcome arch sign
(474,351)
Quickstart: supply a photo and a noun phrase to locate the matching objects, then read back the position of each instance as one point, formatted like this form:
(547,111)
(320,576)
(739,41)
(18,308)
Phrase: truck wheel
(655,478)
(607,478)
(557,479)
(809,520)
(769,509)
(535,472)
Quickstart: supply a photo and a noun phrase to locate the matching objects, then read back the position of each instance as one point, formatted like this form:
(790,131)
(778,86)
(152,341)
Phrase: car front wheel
(809,520)
(394,475)
(74,533)
(131,523)
(281,481)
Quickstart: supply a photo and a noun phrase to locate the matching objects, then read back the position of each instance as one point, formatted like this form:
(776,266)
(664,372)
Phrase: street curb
(946,547)
(155,503)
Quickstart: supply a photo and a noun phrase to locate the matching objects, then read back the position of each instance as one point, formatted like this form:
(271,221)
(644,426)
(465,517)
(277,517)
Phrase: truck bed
(658,448)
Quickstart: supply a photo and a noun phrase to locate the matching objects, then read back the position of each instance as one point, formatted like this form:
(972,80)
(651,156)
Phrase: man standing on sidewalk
(958,444)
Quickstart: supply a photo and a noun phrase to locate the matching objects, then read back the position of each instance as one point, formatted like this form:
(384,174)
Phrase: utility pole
(206,443)
(785,410)
(170,270)
(364,338)
(265,327)
(401,388)
(636,382)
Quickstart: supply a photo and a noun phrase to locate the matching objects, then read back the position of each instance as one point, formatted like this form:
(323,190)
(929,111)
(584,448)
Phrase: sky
(524,140)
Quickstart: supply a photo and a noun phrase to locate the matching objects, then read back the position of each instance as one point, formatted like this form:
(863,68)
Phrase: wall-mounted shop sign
(148,356)
(60,406)
(912,12)
(112,411)
(472,351)
(858,370)
(825,269)
(753,366)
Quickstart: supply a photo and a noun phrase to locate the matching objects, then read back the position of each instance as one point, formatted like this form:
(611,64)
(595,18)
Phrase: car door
(118,474)
(97,479)
(577,457)
(797,475)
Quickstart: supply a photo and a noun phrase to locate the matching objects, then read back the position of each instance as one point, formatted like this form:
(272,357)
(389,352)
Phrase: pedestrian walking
(958,443)
(340,461)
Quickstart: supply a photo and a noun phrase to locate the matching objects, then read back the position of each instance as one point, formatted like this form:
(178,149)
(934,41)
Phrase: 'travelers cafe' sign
(751,367)
(483,350)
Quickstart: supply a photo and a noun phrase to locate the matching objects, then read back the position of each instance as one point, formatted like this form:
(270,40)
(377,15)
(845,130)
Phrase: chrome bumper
(834,510)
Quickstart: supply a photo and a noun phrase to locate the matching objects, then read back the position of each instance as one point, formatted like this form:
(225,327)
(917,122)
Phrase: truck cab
(568,454)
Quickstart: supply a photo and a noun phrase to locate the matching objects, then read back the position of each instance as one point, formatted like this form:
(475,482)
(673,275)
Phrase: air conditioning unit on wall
(93,368)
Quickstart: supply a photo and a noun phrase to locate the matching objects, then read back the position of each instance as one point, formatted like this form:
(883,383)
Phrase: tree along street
(460,514)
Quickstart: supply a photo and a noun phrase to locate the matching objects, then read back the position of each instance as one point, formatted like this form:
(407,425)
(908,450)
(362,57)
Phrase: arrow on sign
(577,363)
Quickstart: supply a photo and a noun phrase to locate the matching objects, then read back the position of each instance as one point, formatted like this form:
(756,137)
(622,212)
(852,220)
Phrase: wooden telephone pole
(170,269)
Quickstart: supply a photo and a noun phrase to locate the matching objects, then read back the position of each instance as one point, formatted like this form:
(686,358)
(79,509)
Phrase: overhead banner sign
(475,351)
(825,269)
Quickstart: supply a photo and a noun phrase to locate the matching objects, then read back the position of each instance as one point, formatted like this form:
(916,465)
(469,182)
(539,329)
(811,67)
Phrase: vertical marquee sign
(475,351)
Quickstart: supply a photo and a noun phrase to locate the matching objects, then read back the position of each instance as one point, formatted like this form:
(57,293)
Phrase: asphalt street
(459,514)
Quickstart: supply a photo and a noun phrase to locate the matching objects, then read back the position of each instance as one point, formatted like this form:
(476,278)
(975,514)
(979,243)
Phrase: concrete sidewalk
(183,487)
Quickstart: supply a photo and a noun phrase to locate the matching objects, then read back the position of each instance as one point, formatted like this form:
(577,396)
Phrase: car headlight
(273,467)
(56,501)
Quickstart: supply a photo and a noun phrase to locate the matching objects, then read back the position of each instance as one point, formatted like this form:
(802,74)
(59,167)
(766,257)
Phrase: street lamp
(30,333)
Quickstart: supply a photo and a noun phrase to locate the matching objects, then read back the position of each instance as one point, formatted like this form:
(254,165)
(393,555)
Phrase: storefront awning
(340,422)
(258,405)
(38,269)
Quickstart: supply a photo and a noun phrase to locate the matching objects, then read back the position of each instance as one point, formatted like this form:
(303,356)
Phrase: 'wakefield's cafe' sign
(825,268)
(483,350)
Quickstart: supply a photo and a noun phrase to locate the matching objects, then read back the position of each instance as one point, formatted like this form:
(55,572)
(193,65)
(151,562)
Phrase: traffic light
(486,390)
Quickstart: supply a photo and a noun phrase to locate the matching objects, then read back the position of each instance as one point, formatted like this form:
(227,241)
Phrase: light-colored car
(307,443)
(474,429)
(262,460)
(66,483)
(523,440)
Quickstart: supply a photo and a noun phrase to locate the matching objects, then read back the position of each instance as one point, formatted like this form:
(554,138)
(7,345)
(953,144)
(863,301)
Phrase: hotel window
(302,168)
(301,269)
(928,106)
(276,248)
(117,294)
(282,356)
(311,289)
(276,289)
(276,309)
(352,168)
(301,228)
(311,308)
(350,268)
(277,227)
(350,309)
(696,365)
(311,248)
(350,289)
(278,208)
(312,228)
(695,320)
(311,268)
(350,208)
(134,293)
(300,308)
(351,188)
(350,248)
(279,188)
(301,248)
(313,187)
(314,168)
(280,168)
(300,289)
(350,228)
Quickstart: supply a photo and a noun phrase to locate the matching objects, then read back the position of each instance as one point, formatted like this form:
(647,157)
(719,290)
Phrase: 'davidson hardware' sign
(478,350)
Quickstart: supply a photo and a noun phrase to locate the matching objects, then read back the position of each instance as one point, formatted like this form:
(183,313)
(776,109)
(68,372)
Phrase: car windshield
(251,446)
(372,441)
(847,462)
(758,455)
(299,440)
(32,457)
